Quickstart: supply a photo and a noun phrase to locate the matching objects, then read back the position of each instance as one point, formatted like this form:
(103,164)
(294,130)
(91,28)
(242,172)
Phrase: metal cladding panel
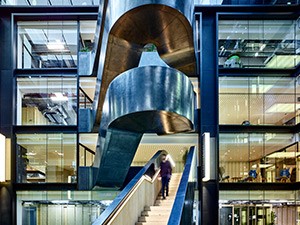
(128,26)
(159,99)
(131,100)
(145,99)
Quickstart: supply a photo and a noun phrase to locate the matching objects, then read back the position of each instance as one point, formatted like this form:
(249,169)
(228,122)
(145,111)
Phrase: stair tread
(159,213)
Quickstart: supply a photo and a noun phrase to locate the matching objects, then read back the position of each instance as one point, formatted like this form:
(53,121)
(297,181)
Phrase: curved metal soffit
(151,99)
(131,24)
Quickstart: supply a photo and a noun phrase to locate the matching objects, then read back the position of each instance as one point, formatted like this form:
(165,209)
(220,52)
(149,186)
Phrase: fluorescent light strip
(206,155)
(283,108)
(284,155)
(2,158)
(283,61)
(59,97)
(56,46)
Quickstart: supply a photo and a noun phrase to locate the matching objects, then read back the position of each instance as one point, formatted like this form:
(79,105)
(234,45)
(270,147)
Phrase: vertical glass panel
(230,85)
(258,101)
(86,54)
(83,2)
(47,44)
(260,207)
(46,158)
(38,2)
(87,34)
(258,44)
(60,2)
(87,87)
(196,2)
(269,157)
(87,144)
(234,157)
(256,155)
(297,41)
(279,109)
(86,156)
(46,101)
(62,207)
(49,2)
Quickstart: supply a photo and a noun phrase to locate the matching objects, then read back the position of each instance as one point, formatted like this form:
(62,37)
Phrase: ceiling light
(206,156)
(284,155)
(59,97)
(60,201)
(283,61)
(30,153)
(56,45)
(264,165)
(2,158)
(262,47)
(283,108)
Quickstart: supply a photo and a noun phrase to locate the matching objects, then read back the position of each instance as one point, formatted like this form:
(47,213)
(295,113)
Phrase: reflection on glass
(62,207)
(259,207)
(197,2)
(255,157)
(49,2)
(47,44)
(46,101)
(86,91)
(87,148)
(86,156)
(46,158)
(86,54)
(258,43)
(258,101)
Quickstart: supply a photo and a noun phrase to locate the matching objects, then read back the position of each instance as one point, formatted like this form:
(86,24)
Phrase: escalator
(131,100)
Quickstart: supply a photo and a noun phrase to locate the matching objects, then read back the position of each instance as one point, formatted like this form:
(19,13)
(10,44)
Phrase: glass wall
(247,2)
(259,100)
(96,2)
(87,30)
(46,101)
(61,207)
(259,43)
(49,2)
(47,44)
(87,148)
(255,157)
(259,207)
(46,158)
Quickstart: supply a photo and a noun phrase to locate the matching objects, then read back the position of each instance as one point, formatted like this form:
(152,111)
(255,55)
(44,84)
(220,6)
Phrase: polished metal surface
(151,99)
(113,158)
(131,100)
(127,26)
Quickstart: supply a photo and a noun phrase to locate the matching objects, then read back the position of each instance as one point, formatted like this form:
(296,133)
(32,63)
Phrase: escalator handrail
(179,201)
(117,202)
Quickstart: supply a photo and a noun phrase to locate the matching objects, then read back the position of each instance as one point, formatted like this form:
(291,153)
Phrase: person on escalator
(165,173)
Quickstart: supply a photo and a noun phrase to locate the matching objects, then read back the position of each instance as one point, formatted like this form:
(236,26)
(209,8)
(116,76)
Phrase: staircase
(159,213)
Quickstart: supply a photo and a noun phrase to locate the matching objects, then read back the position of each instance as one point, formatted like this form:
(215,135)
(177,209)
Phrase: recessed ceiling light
(56,45)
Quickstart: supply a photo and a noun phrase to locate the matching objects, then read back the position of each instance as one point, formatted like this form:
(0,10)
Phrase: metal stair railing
(182,211)
(148,173)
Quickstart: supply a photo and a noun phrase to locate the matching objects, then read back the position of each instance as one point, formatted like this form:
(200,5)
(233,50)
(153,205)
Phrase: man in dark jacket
(165,173)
